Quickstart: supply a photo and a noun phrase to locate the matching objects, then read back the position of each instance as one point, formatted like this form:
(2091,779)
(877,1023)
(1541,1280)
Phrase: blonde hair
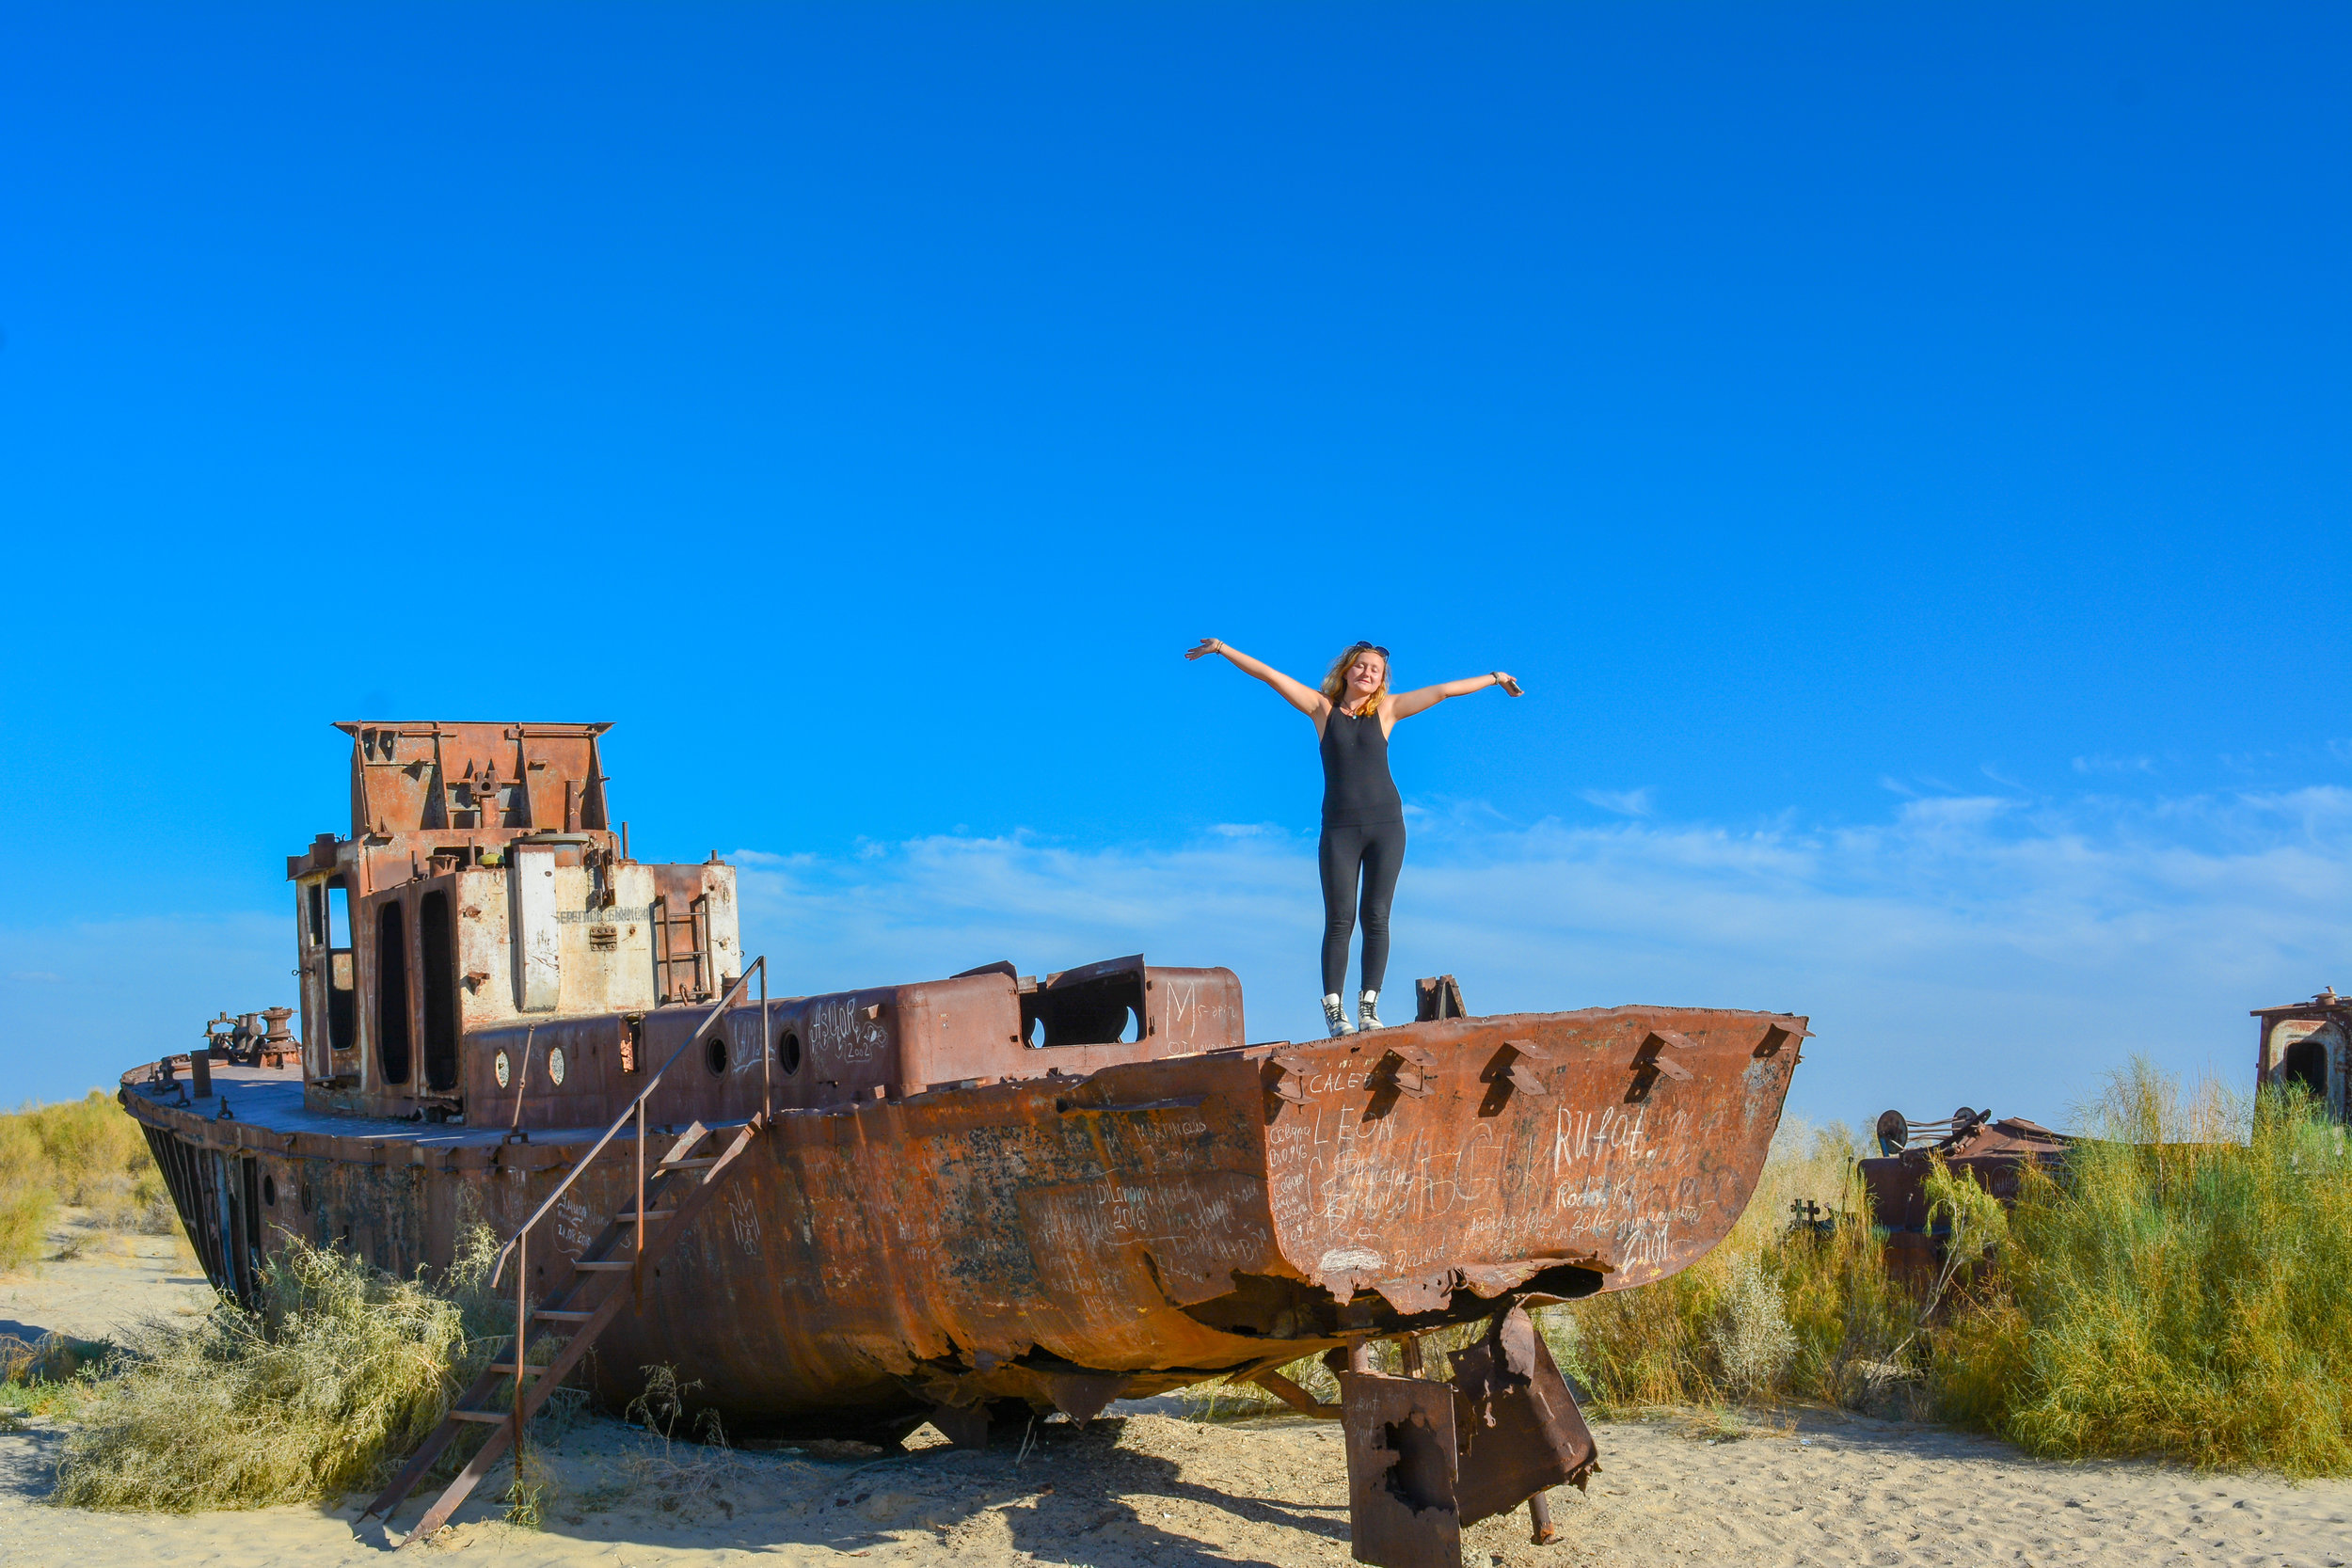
(1335,681)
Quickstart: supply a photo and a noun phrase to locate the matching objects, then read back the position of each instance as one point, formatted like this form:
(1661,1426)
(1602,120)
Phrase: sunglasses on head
(1373,646)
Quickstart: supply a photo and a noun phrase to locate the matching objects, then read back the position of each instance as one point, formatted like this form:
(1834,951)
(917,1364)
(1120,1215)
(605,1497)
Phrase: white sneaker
(1336,1016)
(1368,1011)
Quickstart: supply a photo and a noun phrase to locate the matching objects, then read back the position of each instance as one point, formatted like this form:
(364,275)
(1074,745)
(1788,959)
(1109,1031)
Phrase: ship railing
(518,1245)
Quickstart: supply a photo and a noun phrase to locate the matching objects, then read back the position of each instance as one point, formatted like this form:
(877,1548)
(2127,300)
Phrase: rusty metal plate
(1520,1430)
(1402,1470)
(1615,1167)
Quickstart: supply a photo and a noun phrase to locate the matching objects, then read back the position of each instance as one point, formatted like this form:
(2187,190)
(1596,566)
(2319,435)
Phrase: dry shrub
(38,1377)
(83,1152)
(1216,1399)
(96,1151)
(1754,1343)
(52,1358)
(2179,1291)
(27,1197)
(1775,1310)
(686,1481)
(341,1373)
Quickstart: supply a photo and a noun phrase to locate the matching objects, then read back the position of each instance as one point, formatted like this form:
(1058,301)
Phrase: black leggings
(1376,849)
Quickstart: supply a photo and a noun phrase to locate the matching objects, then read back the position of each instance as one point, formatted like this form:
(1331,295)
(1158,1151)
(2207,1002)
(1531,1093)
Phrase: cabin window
(715,1054)
(343,1024)
(788,1052)
(2307,1064)
(392,992)
(439,956)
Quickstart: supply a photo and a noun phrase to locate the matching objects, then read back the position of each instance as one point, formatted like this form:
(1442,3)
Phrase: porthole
(269,1190)
(505,1068)
(788,1052)
(715,1053)
(555,1065)
(305,1192)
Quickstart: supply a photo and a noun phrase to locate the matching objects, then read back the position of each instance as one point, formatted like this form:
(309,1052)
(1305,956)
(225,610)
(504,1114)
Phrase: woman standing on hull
(1363,817)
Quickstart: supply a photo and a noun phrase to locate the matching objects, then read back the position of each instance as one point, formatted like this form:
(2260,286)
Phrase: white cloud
(1972,948)
(36,976)
(1978,949)
(1625,802)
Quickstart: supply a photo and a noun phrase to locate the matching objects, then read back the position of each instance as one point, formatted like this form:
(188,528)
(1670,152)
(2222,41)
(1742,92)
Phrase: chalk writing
(839,1032)
(743,1220)
(1580,1136)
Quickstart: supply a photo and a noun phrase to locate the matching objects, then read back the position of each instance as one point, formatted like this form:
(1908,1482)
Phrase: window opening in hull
(1100,1011)
(441,991)
(342,1021)
(2306,1064)
(391,993)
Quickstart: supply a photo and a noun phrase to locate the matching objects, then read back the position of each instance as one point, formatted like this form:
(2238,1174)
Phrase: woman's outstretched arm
(1406,704)
(1306,699)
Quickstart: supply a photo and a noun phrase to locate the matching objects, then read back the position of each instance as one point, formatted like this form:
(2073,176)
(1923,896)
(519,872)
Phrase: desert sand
(1141,1485)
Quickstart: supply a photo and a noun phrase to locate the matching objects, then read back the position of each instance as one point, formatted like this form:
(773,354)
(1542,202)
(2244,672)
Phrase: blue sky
(1902,450)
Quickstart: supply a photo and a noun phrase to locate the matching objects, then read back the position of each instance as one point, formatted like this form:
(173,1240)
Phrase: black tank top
(1356,790)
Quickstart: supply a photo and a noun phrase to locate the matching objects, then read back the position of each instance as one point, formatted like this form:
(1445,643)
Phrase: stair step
(576,1332)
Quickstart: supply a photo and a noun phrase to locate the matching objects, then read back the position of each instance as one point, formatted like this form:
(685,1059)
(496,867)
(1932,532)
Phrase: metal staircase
(585,1294)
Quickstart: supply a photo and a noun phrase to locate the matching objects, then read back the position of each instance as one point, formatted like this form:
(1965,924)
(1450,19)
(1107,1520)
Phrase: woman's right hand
(1208,645)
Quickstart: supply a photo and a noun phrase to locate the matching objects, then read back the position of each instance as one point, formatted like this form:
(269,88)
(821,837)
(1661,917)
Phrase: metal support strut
(1425,1458)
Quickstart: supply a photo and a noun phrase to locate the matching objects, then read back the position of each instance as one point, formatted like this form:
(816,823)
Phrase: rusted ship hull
(949,1200)
(1067,1240)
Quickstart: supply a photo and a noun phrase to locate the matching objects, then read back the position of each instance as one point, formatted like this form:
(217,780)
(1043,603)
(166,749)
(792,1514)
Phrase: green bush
(2179,1291)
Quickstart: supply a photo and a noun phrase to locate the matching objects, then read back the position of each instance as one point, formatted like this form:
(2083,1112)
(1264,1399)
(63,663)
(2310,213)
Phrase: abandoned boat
(851,1213)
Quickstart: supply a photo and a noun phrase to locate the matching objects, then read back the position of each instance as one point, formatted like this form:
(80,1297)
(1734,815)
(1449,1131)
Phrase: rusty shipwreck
(951,1200)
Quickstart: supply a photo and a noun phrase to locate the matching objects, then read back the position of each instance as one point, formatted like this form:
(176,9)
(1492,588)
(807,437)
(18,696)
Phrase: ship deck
(266,1111)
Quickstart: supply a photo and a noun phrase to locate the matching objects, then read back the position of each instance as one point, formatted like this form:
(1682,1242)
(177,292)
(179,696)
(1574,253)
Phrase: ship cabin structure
(481,950)
(2309,1043)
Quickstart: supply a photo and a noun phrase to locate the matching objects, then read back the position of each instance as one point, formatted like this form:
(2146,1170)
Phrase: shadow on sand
(1075,1495)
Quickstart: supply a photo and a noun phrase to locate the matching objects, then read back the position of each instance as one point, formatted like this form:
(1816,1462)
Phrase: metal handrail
(636,1108)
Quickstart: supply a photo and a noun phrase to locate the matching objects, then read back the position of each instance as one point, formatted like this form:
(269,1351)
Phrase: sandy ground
(1141,1486)
(110,1278)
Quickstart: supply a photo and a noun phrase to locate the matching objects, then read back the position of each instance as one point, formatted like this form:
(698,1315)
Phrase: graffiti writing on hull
(839,1031)
(1585,1135)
